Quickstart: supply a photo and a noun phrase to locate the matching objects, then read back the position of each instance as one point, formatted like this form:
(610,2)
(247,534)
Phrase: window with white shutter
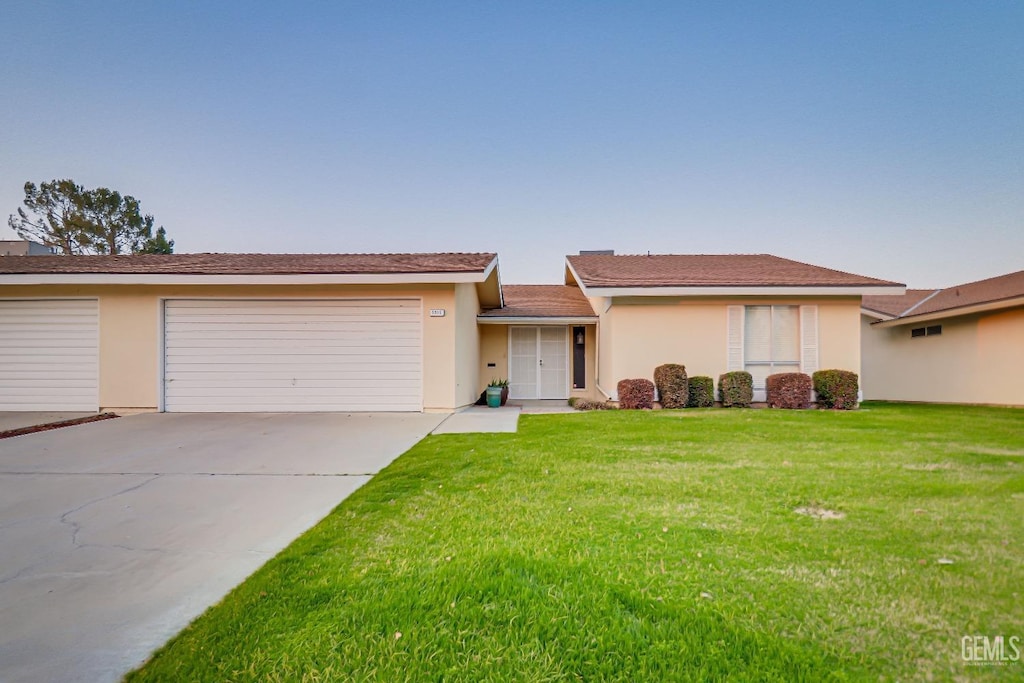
(771,341)
(809,339)
(734,352)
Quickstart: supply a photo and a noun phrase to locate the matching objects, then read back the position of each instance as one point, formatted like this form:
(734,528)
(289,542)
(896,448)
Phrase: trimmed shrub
(789,390)
(673,389)
(736,389)
(836,389)
(573,400)
(701,392)
(636,394)
(587,404)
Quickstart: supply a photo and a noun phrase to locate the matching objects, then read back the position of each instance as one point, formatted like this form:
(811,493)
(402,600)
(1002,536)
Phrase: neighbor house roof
(896,305)
(716,273)
(256,269)
(541,301)
(250,264)
(995,292)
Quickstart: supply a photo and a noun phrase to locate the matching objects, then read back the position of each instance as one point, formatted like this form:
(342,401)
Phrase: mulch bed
(56,425)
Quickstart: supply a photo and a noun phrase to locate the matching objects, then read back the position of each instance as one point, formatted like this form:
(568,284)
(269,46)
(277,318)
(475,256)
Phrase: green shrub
(587,404)
(836,389)
(790,390)
(673,389)
(701,392)
(573,400)
(636,394)
(736,389)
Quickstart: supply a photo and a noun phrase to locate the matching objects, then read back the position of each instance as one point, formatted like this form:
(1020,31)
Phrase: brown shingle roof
(973,293)
(249,264)
(704,270)
(542,301)
(922,302)
(896,305)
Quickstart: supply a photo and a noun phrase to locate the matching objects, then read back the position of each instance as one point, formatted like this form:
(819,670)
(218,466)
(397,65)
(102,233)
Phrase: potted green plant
(497,392)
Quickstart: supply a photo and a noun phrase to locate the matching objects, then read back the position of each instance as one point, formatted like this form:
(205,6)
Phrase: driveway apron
(114,535)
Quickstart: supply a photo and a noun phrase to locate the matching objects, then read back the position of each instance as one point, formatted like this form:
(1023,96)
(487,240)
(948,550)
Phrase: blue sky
(884,138)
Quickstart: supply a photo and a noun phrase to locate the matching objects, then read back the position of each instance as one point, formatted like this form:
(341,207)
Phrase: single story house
(962,344)
(401,332)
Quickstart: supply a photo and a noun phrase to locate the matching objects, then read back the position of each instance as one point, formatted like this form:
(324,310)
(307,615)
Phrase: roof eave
(881,315)
(1012,302)
(535,320)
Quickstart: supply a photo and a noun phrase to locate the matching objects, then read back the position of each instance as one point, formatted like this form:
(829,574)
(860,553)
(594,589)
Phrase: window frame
(772,364)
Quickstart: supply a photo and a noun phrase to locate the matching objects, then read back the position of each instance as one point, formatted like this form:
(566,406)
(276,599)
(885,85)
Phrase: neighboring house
(24,248)
(401,332)
(962,344)
(243,332)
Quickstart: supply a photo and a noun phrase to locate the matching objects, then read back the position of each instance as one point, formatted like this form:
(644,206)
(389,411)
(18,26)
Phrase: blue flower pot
(493,397)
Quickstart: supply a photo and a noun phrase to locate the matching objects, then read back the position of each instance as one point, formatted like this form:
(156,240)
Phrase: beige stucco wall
(130,333)
(839,335)
(977,359)
(638,334)
(644,334)
(494,349)
(467,345)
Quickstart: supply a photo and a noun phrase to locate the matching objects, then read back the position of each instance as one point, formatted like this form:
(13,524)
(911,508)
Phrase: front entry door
(538,362)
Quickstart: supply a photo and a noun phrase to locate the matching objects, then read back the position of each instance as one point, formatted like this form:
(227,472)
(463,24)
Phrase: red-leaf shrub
(701,392)
(636,394)
(836,389)
(790,390)
(736,389)
(673,389)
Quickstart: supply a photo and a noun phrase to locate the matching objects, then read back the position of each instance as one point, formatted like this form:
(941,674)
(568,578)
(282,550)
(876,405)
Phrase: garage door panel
(272,371)
(337,361)
(308,347)
(408,337)
(332,407)
(313,387)
(290,316)
(257,394)
(17,374)
(294,356)
(49,355)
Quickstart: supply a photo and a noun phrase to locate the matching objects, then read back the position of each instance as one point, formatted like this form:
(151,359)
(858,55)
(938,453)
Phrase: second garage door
(292,356)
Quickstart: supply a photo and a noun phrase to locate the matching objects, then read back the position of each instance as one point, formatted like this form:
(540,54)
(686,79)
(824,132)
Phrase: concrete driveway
(114,535)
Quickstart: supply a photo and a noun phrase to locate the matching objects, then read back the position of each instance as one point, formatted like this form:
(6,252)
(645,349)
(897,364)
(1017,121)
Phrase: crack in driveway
(76,527)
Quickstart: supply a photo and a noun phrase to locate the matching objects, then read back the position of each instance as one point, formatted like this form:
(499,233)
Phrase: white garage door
(292,356)
(49,355)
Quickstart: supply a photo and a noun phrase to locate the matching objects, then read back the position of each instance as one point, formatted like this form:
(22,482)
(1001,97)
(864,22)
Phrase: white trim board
(740,291)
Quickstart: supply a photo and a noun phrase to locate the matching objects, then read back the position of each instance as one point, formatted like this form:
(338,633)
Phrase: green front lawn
(641,546)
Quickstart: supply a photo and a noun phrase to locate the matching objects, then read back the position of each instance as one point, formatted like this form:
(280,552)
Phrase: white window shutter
(734,359)
(809,339)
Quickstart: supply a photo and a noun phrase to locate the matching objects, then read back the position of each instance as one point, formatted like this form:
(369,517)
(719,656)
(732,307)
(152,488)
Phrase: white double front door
(538,361)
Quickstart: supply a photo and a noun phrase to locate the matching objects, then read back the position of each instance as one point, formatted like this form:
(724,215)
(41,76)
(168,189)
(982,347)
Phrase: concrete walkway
(542,406)
(114,535)
(481,419)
